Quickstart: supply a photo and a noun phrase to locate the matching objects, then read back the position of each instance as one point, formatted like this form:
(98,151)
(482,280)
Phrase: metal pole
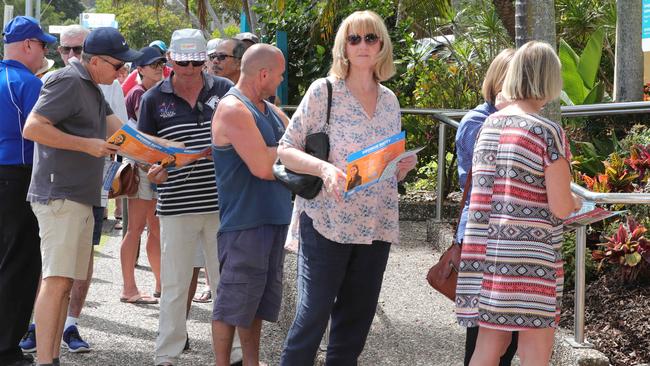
(579,308)
(442,155)
(29,8)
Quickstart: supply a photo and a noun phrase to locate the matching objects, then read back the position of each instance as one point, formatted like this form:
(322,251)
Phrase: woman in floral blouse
(344,242)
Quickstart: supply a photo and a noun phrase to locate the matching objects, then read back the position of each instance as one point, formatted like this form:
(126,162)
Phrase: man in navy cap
(70,123)
(25,45)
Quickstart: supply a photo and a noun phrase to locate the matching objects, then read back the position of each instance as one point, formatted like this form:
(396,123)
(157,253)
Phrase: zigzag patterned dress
(511,272)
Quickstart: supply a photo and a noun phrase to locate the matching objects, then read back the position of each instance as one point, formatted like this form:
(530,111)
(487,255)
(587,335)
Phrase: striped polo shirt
(191,189)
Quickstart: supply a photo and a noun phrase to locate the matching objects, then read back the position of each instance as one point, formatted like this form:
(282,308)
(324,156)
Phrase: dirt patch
(617,319)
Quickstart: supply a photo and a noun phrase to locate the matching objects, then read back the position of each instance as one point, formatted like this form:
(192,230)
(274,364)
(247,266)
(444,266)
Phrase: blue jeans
(338,280)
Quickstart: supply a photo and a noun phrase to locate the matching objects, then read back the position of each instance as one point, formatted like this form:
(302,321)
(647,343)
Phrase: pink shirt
(371,213)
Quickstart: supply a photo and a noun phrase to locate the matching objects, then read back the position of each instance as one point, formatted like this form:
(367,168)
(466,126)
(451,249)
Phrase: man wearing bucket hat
(20,259)
(180,109)
(70,123)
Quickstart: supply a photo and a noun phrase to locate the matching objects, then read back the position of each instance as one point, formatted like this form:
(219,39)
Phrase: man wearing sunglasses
(72,41)
(25,45)
(226,59)
(70,123)
(179,108)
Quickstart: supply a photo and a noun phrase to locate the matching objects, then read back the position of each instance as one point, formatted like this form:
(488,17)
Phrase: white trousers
(180,236)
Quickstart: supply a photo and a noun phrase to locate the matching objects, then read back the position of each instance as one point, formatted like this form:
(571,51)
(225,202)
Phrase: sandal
(118,225)
(204,296)
(139,299)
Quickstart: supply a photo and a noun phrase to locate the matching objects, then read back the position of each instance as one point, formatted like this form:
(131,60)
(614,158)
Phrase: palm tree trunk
(506,11)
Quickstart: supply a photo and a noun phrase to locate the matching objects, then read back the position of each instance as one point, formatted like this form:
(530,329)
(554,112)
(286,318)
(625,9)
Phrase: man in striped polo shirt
(179,109)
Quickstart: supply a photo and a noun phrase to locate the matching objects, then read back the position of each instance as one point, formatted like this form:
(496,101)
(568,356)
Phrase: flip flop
(118,225)
(205,296)
(139,299)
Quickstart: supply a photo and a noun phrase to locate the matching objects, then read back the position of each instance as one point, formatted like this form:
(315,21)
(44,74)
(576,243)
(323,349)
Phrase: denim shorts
(251,264)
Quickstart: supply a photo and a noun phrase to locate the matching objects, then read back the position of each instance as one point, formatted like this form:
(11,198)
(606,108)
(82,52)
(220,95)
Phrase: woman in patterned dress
(344,242)
(511,267)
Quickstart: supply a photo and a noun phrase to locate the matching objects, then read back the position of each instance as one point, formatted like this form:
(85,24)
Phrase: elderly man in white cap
(180,109)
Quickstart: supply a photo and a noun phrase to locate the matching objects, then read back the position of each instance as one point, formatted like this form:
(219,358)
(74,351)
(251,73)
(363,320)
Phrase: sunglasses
(43,44)
(220,56)
(370,39)
(156,65)
(115,66)
(76,49)
(187,63)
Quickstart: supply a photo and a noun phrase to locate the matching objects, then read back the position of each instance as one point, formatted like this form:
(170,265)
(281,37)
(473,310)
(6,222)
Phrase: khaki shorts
(145,190)
(66,231)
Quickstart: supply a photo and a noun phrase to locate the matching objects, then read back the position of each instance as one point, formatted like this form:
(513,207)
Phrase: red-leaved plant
(639,160)
(628,248)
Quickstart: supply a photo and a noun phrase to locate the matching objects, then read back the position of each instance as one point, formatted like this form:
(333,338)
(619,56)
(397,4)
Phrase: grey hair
(75,30)
(85,57)
(239,49)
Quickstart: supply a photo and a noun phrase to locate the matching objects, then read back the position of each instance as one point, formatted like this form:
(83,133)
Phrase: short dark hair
(239,49)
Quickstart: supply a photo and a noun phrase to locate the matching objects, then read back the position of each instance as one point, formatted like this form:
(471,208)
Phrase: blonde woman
(344,243)
(511,267)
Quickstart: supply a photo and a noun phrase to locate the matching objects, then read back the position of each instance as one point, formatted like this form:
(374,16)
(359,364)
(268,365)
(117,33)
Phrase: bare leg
(535,346)
(153,242)
(192,291)
(490,345)
(50,312)
(222,335)
(128,251)
(79,290)
(250,342)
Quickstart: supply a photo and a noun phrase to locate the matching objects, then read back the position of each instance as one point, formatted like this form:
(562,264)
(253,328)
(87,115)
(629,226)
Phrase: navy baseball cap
(149,56)
(109,42)
(22,27)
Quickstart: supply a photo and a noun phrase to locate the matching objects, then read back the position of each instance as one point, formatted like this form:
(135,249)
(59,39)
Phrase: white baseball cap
(187,45)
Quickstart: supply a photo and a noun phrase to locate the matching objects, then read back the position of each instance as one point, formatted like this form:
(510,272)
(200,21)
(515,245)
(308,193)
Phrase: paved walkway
(413,325)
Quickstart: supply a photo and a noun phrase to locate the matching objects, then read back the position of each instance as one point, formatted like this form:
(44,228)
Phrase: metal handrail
(578,340)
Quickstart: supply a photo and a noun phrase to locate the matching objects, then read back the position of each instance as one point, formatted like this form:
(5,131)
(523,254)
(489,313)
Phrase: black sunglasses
(157,64)
(76,49)
(115,66)
(355,39)
(43,44)
(220,56)
(187,63)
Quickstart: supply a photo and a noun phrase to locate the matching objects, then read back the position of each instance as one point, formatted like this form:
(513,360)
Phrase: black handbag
(317,145)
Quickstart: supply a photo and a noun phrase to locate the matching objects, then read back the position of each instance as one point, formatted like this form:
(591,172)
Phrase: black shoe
(187,343)
(237,363)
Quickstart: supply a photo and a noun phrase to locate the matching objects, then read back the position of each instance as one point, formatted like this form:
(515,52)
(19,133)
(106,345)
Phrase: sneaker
(28,343)
(72,340)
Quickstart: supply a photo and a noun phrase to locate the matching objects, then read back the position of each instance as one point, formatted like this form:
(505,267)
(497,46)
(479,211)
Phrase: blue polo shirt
(191,189)
(19,90)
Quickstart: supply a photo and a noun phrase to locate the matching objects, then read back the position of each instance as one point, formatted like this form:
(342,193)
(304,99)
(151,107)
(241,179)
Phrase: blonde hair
(533,73)
(363,22)
(495,75)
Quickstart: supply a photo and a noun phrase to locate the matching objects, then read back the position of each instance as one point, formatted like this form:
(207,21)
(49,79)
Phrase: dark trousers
(470,345)
(20,260)
(338,280)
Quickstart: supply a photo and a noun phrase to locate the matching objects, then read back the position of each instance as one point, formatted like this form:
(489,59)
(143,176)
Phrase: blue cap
(21,28)
(149,56)
(160,44)
(109,42)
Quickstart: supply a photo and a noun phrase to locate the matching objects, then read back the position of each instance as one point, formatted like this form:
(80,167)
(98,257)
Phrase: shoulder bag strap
(329,100)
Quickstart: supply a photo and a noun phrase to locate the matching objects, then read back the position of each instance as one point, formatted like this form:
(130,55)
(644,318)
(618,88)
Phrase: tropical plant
(616,178)
(580,73)
(628,249)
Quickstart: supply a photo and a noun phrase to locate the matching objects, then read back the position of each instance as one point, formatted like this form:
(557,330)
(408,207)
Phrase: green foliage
(229,31)
(579,74)
(427,175)
(569,256)
(589,155)
(141,23)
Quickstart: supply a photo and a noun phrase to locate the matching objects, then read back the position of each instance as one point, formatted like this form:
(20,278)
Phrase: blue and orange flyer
(137,146)
(375,163)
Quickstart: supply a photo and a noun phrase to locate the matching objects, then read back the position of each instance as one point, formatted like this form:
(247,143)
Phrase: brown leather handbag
(443,276)
(126,181)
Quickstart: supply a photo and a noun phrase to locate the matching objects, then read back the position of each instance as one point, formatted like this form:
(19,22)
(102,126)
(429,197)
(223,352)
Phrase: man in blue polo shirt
(20,258)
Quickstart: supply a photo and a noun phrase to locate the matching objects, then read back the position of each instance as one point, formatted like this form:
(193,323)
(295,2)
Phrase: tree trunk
(216,23)
(628,69)
(506,11)
(535,20)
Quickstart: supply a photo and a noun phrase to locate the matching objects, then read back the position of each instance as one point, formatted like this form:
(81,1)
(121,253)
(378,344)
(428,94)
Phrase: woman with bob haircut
(344,242)
(465,139)
(511,274)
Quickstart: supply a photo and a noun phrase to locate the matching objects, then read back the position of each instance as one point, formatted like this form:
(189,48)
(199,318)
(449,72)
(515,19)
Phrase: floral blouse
(371,213)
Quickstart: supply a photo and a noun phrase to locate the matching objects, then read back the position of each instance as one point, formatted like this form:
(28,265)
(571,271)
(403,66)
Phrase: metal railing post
(579,307)
(442,159)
